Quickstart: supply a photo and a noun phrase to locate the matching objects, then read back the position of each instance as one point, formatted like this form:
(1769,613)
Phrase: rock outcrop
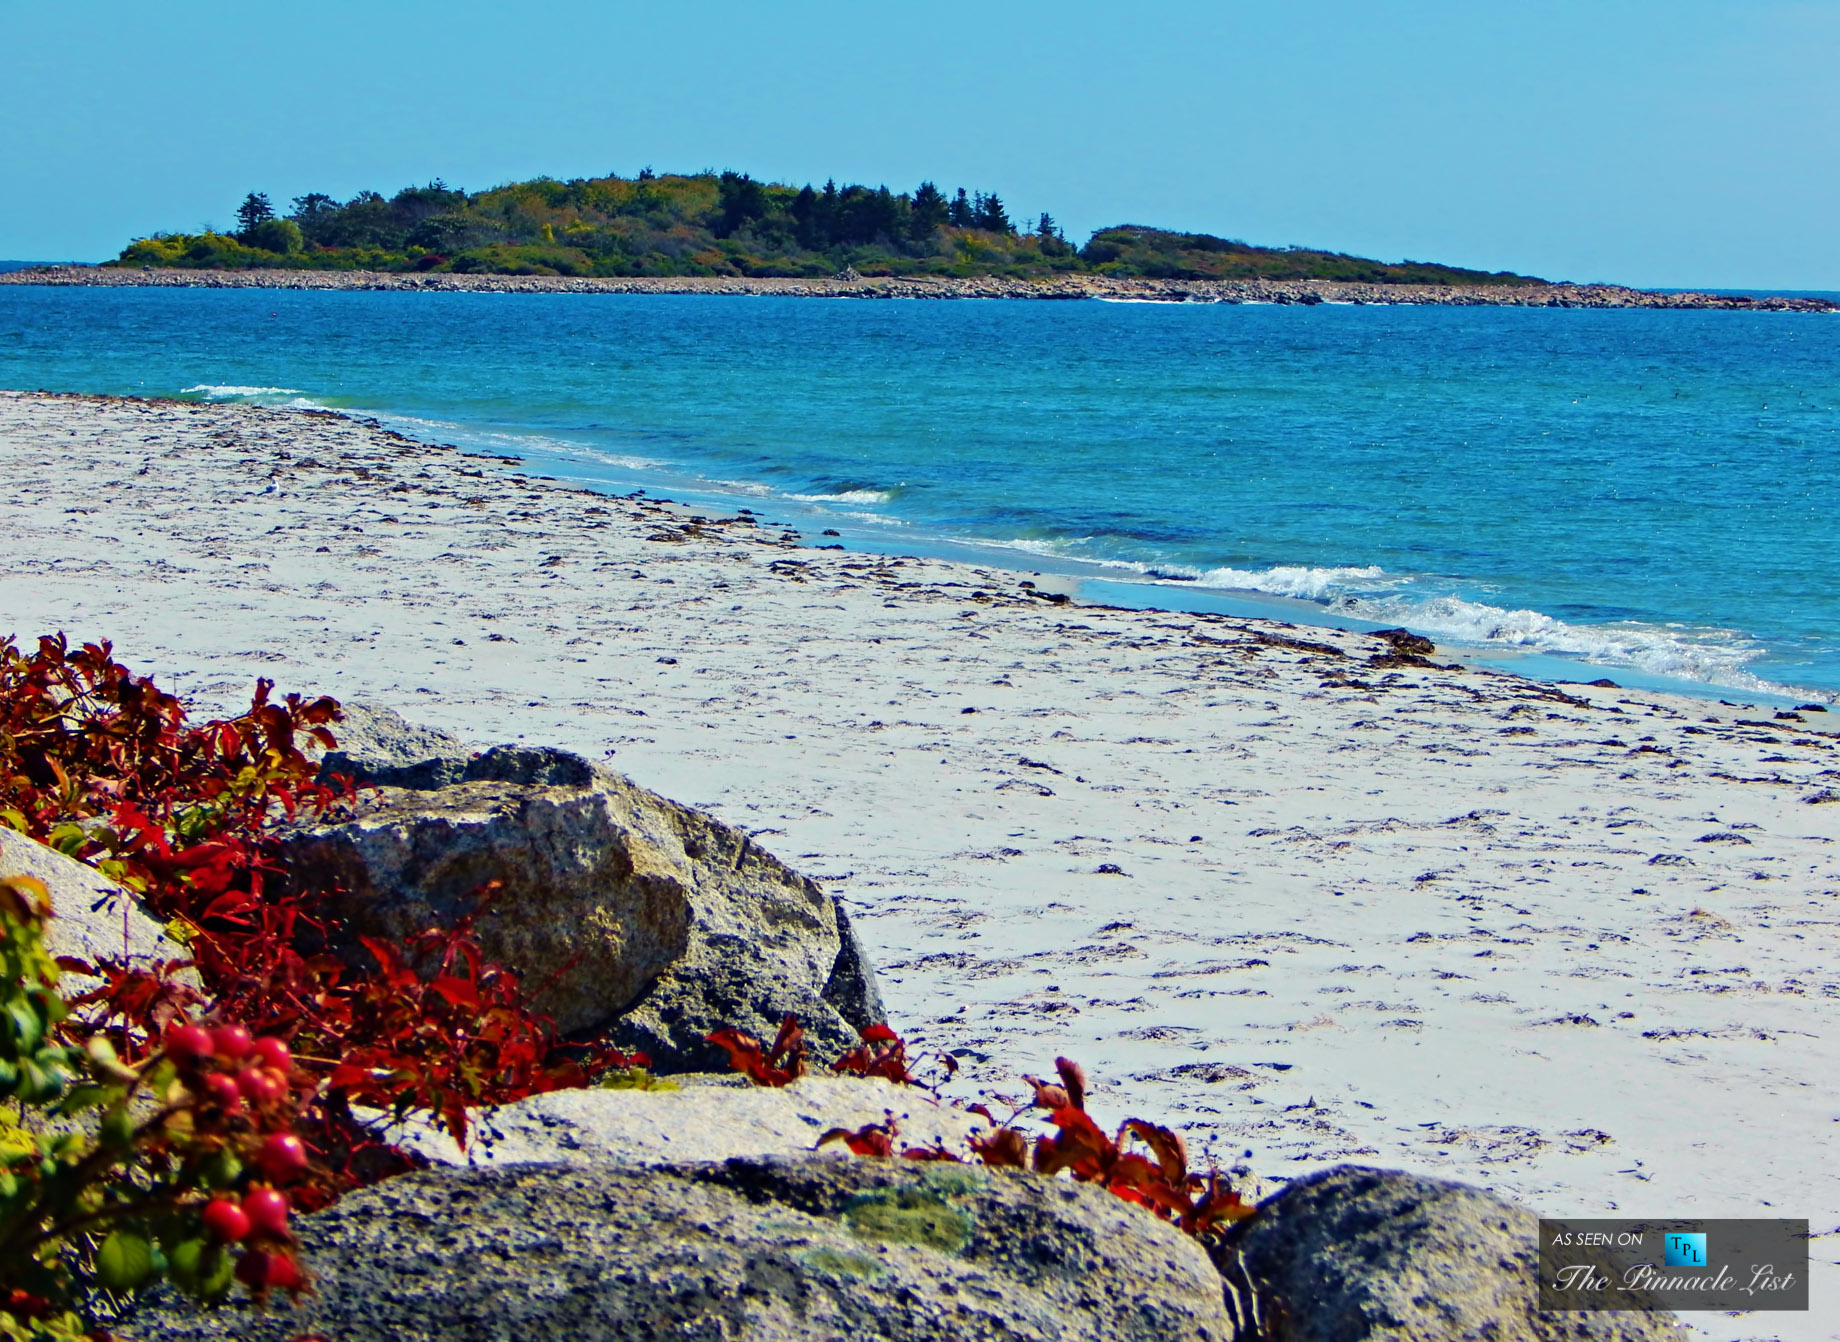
(710,1118)
(377,745)
(745,1249)
(93,918)
(615,903)
(1351,1254)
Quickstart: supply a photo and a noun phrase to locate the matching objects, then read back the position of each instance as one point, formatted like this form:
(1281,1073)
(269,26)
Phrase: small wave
(847,496)
(1676,652)
(216,392)
(1707,656)
(1311,584)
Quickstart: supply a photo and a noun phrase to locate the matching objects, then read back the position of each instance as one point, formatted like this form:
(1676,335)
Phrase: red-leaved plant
(104,766)
(1157,1178)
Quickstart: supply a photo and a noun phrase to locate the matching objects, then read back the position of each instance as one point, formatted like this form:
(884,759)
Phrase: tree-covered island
(728,224)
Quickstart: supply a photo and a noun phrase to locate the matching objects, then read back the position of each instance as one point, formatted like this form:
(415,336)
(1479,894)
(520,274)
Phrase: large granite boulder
(616,903)
(93,918)
(749,1249)
(712,1117)
(1351,1254)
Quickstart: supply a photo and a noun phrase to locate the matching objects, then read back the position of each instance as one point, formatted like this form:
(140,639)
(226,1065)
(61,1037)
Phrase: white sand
(1583,953)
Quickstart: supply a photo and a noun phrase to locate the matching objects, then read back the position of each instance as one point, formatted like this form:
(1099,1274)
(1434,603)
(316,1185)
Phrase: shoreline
(1280,886)
(1062,288)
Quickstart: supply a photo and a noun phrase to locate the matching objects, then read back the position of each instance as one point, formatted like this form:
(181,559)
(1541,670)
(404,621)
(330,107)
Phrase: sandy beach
(1580,945)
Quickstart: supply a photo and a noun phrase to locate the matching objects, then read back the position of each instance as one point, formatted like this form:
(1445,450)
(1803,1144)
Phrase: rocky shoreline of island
(850,285)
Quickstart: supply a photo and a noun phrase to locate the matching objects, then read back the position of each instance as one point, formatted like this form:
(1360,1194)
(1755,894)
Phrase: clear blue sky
(1660,142)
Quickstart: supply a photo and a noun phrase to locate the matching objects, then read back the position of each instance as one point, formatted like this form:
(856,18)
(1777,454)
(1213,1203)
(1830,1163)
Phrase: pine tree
(805,216)
(960,213)
(989,214)
(928,212)
(255,209)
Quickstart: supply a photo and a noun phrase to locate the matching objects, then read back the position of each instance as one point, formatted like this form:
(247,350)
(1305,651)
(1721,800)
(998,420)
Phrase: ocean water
(1644,490)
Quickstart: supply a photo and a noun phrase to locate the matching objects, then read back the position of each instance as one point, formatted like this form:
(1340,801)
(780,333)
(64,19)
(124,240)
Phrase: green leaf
(37,1083)
(68,839)
(117,1130)
(124,1261)
(22,1024)
(214,1272)
(83,1097)
(222,1170)
(185,1262)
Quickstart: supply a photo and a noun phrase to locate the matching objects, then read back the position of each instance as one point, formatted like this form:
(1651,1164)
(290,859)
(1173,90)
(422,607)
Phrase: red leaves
(881,1053)
(1002,1147)
(1160,1182)
(872,1139)
(456,991)
(1078,1146)
(780,1065)
(104,766)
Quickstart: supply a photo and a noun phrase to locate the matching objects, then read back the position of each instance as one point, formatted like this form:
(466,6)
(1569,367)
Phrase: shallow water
(1641,489)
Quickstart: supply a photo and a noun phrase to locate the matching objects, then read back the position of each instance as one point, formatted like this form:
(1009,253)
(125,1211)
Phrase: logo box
(1670,1263)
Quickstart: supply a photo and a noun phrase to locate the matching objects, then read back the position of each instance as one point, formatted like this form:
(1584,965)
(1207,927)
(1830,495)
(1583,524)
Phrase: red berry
(260,1086)
(282,1157)
(262,1271)
(273,1053)
(224,1093)
(188,1043)
(284,1273)
(225,1220)
(267,1211)
(232,1042)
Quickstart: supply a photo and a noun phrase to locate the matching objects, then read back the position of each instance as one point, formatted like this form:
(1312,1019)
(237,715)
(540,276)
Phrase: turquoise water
(1655,491)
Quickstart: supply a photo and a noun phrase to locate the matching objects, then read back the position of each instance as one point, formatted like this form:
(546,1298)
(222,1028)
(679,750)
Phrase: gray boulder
(1351,1254)
(377,745)
(93,918)
(709,1118)
(746,1249)
(616,903)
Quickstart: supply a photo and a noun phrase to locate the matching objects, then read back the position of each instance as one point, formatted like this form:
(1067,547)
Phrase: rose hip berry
(225,1220)
(267,1211)
(271,1052)
(260,1087)
(262,1271)
(232,1042)
(188,1043)
(224,1092)
(282,1157)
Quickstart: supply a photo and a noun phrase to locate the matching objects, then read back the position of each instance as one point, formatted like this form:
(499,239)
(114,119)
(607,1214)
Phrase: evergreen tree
(988,213)
(825,220)
(315,213)
(960,213)
(1047,228)
(927,212)
(805,216)
(255,209)
(740,200)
